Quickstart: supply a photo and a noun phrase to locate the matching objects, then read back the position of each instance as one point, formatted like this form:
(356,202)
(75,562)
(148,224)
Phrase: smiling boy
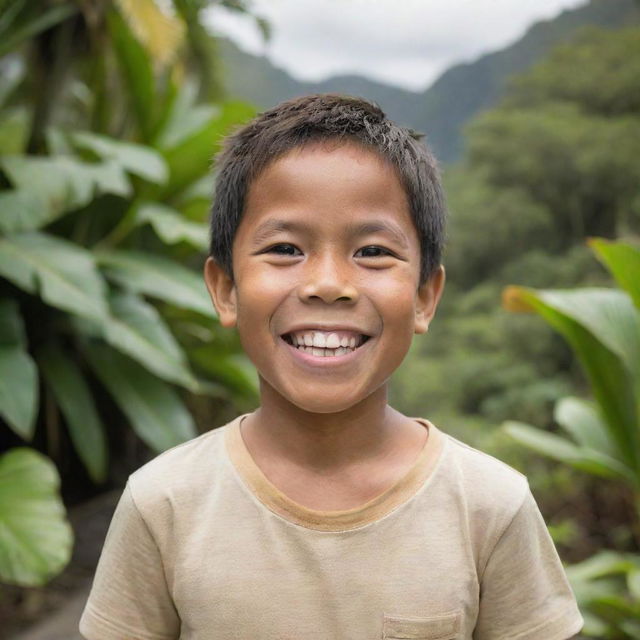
(325,513)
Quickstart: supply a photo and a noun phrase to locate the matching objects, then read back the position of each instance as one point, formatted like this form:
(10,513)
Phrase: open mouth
(347,345)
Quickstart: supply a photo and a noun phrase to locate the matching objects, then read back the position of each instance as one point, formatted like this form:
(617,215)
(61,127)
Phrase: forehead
(329,175)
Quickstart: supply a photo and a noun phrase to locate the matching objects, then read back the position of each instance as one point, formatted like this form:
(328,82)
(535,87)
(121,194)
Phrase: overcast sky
(403,42)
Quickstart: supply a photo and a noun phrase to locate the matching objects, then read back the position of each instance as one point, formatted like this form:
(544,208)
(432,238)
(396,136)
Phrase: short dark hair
(331,117)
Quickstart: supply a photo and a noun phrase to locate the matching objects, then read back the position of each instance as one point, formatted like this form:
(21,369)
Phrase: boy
(325,513)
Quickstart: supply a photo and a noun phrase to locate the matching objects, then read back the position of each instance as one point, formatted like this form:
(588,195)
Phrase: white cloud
(403,42)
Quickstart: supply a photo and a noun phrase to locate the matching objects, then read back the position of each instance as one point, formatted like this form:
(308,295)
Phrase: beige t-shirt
(203,547)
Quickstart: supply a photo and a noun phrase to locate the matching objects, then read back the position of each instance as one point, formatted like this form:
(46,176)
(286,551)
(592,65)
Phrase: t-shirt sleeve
(524,591)
(129,598)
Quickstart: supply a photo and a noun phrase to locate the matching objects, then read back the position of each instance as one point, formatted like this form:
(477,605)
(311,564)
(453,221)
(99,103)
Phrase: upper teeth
(326,339)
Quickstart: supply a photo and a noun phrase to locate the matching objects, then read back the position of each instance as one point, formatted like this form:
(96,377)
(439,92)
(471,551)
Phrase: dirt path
(62,625)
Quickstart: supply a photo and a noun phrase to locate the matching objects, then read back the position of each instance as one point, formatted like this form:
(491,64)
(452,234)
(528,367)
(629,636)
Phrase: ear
(427,299)
(222,291)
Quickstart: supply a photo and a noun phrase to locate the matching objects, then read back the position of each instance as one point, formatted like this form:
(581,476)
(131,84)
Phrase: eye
(374,252)
(283,249)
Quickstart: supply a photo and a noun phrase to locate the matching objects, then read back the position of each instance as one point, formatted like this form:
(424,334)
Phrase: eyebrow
(272,227)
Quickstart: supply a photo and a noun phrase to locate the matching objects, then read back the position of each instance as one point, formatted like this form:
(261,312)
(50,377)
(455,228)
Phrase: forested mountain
(552,165)
(457,95)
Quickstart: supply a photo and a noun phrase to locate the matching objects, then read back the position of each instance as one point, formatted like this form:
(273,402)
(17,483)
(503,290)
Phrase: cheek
(397,301)
(259,297)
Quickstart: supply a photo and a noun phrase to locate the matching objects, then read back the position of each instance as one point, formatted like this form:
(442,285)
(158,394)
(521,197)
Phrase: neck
(323,442)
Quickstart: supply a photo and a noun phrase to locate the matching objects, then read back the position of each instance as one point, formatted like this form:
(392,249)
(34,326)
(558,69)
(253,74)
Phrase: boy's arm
(524,592)
(129,597)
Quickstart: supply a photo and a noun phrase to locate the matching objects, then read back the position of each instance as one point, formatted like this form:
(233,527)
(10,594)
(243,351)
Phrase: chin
(318,405)
(315,397)
(315,402)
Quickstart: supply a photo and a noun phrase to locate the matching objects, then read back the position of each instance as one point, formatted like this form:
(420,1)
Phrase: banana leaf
(602,327)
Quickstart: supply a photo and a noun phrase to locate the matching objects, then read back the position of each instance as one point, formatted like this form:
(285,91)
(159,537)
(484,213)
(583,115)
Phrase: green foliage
(576,165)
(541,175)
(35,537)
(624,263)
(158,277)
(63,274)
(607,588)
(603,328)
(105,195)
(23,20)
(137,72)
(154,410)
(572,71)
(18,373)
(172,227)
(76,402)
(567,133)
(600,437)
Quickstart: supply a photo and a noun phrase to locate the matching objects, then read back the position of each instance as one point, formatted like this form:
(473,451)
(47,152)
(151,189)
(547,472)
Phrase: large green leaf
(580,418)
(136,329)
(185,117)
(63,183)
(11,325)
(563,450)
(138,159)
(136,68)
(158,277)
(194,202)
(191,158)
(596,337)
(171,226)
(154,409)
(604,563)
(234,370)
(74,398)
(35,537)
(623,260)
(22,211)
(18,373)
(18,390)
(609,315)
(62,273)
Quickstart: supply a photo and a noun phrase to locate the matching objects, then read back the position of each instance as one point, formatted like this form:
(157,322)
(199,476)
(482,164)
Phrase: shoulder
(179,473)
(486,475)
(483,494)
(490,491)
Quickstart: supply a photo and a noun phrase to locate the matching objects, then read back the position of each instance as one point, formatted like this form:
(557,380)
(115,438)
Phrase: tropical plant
(607,588)
(603,328)
(104,198)
(35,537)
(599,436)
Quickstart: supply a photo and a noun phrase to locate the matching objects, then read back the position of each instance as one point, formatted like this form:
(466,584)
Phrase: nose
(327,279)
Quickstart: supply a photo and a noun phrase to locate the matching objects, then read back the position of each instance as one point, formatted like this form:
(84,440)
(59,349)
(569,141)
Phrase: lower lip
(325,361)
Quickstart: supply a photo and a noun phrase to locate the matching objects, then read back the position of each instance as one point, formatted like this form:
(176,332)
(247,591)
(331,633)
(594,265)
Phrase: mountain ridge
(457,95)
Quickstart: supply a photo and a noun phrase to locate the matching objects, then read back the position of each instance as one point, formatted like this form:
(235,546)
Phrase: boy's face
(326,245)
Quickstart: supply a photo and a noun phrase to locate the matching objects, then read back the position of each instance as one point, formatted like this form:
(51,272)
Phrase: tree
(105,195)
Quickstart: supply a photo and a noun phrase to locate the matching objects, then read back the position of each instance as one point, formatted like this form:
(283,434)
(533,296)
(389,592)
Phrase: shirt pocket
(445,626)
